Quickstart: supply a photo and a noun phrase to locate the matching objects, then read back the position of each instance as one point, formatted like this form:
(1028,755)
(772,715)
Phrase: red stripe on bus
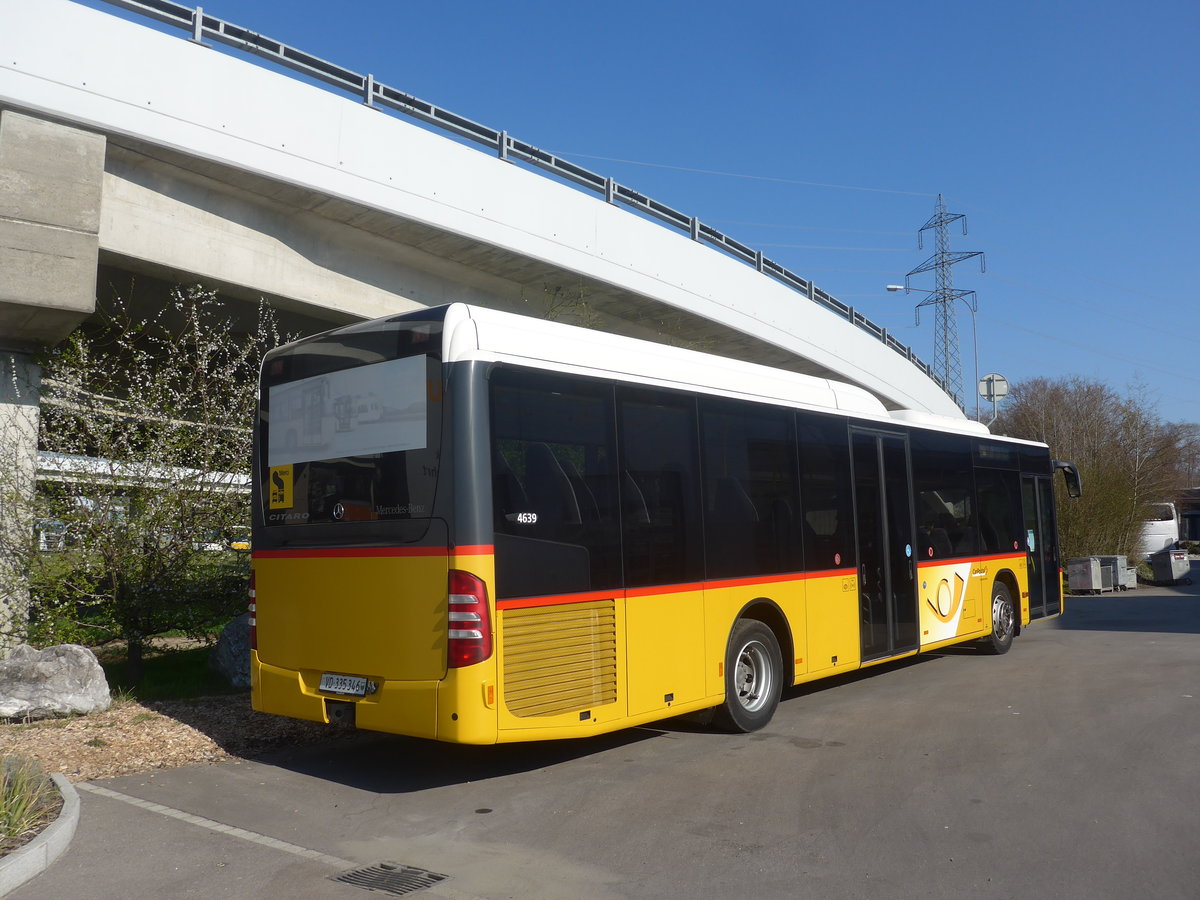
(350,552)
(561,599)
(473,550)
(749,582)
(831,573)
(360,552)
(665,589)
(555,600)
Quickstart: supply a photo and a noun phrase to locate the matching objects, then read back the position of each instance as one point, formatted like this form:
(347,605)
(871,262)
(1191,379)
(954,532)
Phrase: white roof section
(476,333)
(96,70)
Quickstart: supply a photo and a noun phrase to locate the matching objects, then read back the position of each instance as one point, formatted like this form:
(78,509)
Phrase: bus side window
(999,494)
(945,495)
(751,489)
(508,494)
(553,484)
(825,492)
(551,496)
(659,455)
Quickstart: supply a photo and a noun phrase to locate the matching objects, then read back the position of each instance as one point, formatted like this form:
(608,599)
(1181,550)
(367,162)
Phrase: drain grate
(391,878)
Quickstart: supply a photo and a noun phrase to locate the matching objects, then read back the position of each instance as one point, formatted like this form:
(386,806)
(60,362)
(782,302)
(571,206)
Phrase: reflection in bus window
(554,493)
(945,495)
(751,490)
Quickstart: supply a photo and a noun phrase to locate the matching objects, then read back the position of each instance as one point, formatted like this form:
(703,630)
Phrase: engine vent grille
(559,659)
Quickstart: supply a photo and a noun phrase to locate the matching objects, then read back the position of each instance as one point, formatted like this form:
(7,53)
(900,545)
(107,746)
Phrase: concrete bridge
(130,156)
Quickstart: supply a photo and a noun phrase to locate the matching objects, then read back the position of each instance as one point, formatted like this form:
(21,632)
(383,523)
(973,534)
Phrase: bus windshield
(350,426)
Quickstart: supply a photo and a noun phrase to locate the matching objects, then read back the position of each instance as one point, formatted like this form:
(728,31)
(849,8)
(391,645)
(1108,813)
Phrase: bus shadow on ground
(703,722)
(389,764)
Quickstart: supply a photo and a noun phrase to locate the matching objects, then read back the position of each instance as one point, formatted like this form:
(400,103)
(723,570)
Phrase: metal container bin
(1118,565)
(1084,575)
(1128,578)
(1171,566)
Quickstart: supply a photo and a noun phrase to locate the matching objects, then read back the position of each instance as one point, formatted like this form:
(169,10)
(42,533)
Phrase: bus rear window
(365,411)
(350,427)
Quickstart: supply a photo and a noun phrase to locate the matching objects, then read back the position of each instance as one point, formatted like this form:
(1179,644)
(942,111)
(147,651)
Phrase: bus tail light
(470,624)
(253,614)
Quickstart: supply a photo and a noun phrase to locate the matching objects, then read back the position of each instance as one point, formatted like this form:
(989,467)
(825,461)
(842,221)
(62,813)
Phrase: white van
(1160,530)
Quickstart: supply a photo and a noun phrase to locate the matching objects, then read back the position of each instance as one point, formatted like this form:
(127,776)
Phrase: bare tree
(1127,457)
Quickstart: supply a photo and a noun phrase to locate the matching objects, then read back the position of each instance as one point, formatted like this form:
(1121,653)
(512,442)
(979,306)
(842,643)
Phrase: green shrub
(206,590)
(29,801)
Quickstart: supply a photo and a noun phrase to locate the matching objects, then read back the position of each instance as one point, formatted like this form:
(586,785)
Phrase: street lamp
(972,305)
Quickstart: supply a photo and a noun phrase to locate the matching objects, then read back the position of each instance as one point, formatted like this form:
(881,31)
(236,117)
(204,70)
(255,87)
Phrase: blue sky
(1067,133)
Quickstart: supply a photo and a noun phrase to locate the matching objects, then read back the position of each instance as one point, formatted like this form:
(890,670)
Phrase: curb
(36,856)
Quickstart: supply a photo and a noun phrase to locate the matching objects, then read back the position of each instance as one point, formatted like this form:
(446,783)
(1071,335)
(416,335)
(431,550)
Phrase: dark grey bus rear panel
(353,436)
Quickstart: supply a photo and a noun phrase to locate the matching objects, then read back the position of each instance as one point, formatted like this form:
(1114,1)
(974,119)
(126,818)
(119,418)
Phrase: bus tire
(1004,620)
(753,677)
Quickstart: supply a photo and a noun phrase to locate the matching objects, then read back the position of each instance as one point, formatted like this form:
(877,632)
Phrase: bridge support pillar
(51,182)
(20,378)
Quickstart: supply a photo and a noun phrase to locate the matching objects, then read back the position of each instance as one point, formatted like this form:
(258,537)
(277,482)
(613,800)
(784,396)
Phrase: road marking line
(220,827)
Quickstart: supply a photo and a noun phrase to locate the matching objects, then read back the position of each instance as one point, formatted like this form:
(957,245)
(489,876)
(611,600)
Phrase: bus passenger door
(1041,553)
(886,565)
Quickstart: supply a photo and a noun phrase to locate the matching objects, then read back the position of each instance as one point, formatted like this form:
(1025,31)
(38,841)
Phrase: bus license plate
(350,685)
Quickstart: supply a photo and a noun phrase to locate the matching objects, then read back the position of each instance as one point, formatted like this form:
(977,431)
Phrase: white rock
(62,680)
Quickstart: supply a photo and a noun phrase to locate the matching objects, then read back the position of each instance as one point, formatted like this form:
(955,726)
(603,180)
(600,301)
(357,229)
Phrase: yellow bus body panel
(955,598)
(560,667)
(834,641)
(951,597)
(382,617)
(664,640)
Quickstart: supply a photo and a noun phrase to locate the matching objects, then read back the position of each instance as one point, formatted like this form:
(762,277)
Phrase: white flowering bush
(145,433)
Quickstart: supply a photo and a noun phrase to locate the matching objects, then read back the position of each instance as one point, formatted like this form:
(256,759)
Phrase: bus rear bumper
(396,707)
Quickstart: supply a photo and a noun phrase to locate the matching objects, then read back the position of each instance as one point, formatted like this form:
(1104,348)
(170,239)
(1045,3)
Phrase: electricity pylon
(943,298)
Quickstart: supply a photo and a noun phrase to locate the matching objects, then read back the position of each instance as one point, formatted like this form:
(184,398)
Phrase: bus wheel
(753,677)
(1004,621)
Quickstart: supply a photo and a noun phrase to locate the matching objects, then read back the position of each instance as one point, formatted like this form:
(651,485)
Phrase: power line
(771,178)
(820,247)
(1010,354)
(850,187)
(1090,305)
(1092,278)
(1025,225)
(805,227)
(1106,352)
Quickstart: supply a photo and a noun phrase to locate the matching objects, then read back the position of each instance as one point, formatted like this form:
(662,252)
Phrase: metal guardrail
(204,27)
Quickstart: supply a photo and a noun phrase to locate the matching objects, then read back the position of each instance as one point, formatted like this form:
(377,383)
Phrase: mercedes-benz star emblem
(338,511)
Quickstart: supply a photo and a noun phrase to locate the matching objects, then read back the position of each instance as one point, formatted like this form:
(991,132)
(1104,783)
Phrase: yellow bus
(543,531)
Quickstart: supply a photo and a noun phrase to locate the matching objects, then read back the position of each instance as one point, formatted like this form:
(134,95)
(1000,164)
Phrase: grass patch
(169,675)
(29,801)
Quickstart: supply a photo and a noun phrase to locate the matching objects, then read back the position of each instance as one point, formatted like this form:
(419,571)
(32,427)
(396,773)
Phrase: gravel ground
(131,737)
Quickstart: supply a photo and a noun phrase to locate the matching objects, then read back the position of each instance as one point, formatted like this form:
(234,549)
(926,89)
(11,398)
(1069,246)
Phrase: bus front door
(1041,554)
(887,582)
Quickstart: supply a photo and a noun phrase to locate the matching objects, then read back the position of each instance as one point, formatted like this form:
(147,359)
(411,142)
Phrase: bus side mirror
(1071,477)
